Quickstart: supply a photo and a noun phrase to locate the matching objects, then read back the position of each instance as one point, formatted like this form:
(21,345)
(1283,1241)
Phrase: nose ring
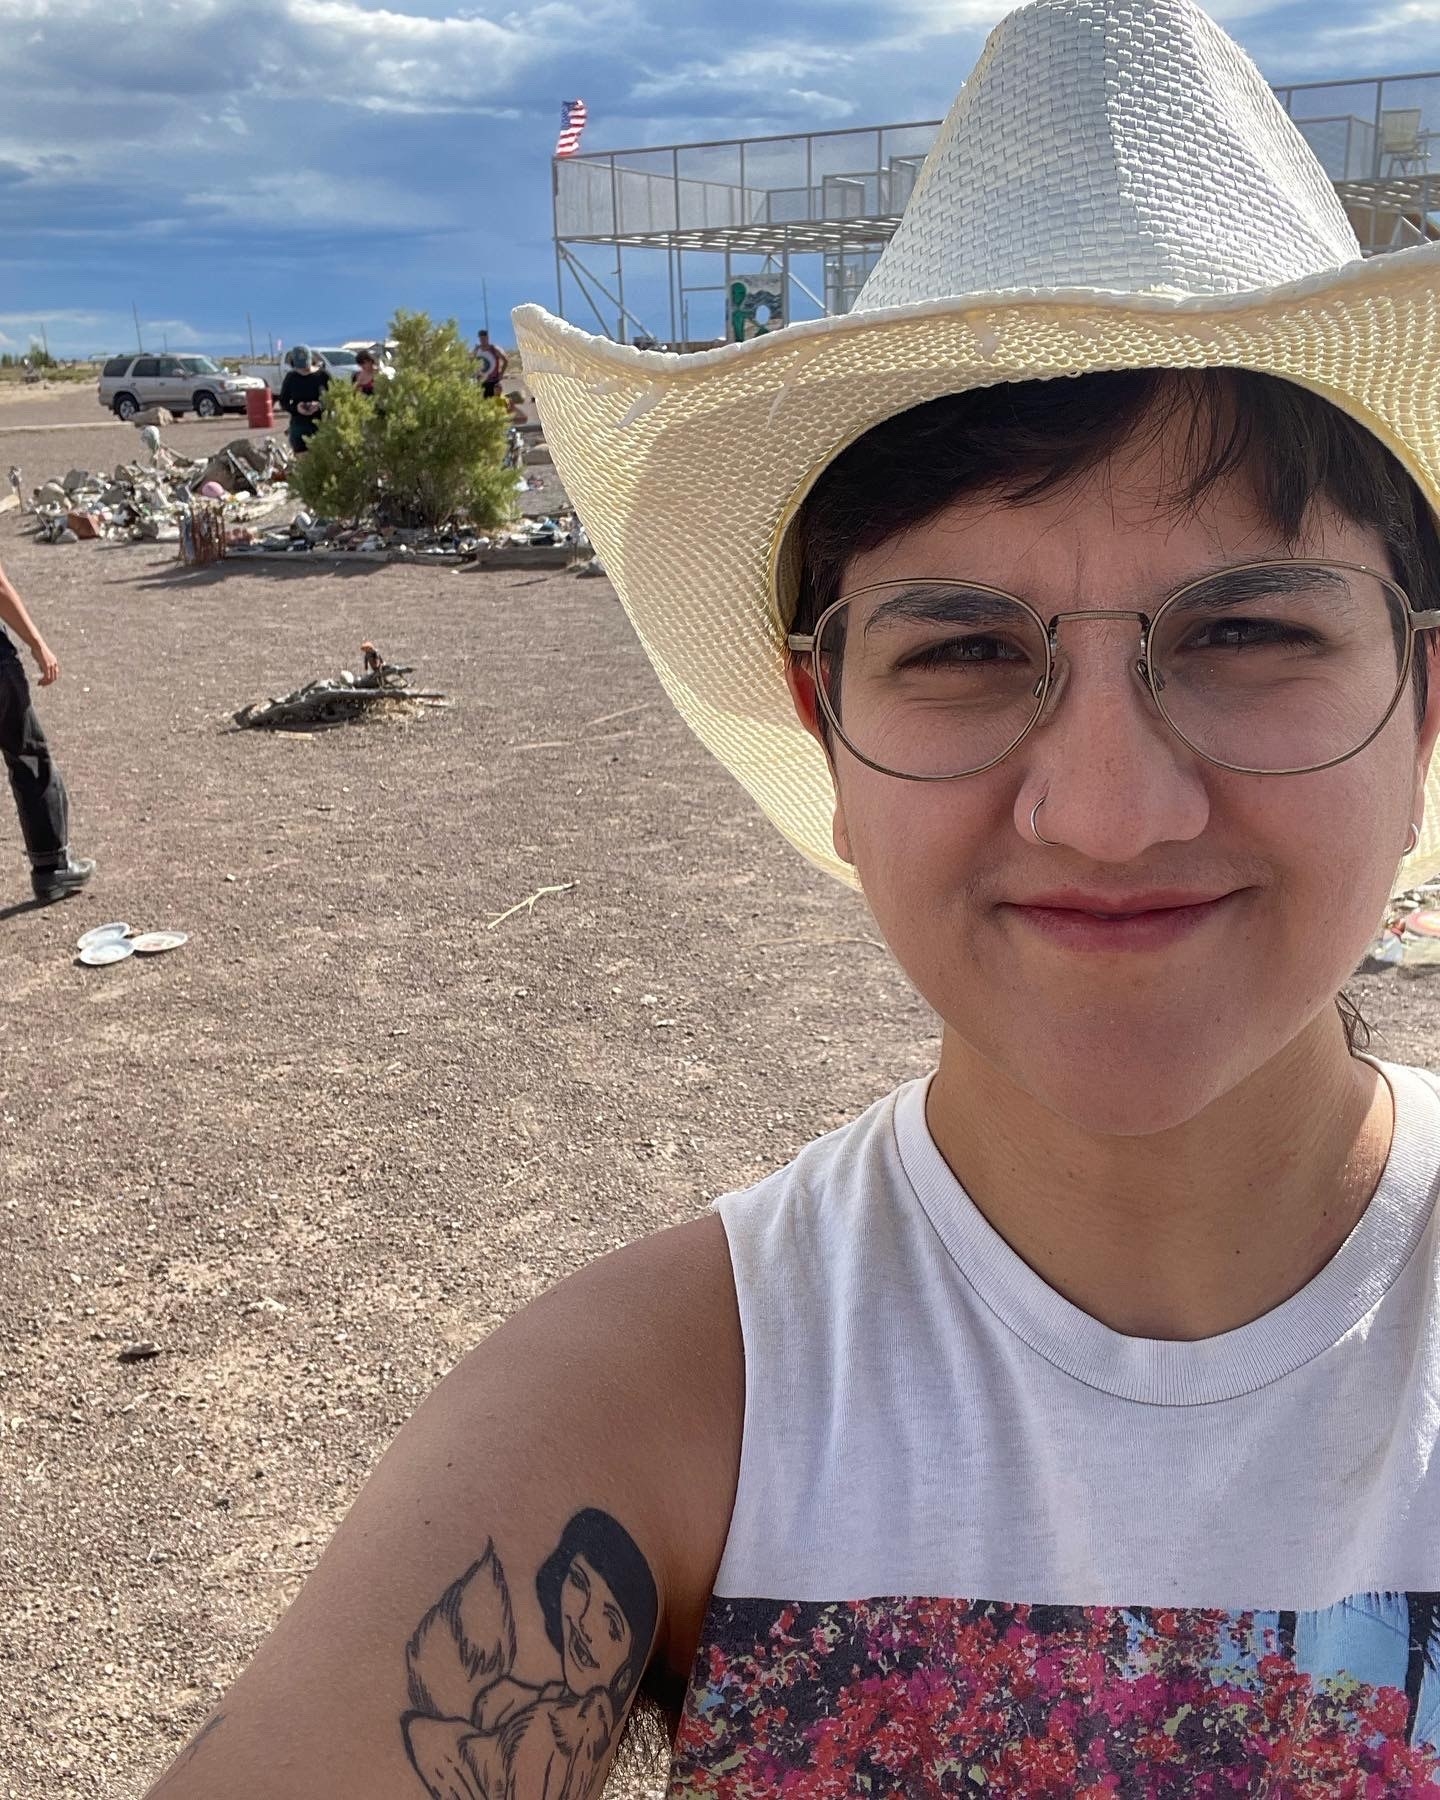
(1034,828)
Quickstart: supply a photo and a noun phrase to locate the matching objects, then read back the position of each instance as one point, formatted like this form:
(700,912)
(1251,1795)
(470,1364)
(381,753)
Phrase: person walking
(40,797)
(491,363)
(302,395)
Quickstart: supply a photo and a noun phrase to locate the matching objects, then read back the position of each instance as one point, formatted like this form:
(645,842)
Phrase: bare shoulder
(544,1529)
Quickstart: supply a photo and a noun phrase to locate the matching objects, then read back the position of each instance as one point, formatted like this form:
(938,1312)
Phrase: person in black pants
(302,395)
(40,796)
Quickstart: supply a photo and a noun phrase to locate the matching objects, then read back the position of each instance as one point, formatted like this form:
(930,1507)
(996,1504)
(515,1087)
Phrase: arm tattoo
(475,1732)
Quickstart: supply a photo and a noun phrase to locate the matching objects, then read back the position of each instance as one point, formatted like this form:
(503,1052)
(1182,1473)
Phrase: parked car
(339,360)
(181,383)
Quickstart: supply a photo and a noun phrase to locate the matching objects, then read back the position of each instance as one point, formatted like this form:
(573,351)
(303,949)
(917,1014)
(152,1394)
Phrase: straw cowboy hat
(1115,187)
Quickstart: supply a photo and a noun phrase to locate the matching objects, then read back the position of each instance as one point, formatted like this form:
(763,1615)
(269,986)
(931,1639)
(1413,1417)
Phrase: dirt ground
(318,1153)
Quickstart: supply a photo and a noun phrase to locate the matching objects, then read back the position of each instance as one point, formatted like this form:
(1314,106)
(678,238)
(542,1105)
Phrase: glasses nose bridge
(1059,662)
(1052,629)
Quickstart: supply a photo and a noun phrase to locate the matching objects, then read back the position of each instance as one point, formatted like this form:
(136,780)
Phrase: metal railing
(823,204)
(1381,133)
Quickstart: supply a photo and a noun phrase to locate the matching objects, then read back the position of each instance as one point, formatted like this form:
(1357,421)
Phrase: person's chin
(1116,1066)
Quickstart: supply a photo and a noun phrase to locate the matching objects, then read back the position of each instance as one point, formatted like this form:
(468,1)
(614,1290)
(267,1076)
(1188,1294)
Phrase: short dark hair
(614,1556)
(1021,440)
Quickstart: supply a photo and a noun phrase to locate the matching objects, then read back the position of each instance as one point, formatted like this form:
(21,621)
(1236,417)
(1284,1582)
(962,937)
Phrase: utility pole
(45,341)
(139,344)
(251,329)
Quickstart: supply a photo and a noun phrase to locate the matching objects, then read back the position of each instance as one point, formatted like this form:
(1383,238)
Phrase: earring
(1414,843)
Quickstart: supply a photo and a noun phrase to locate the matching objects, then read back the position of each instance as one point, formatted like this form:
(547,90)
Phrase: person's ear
(806,701)
(1429,722)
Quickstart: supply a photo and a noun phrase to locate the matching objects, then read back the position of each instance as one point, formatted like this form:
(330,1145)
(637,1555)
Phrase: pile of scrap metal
(336,700)
(140,501)
(386,543)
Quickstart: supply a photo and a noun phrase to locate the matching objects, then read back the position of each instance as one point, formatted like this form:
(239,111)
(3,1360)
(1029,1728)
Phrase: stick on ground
(528,903)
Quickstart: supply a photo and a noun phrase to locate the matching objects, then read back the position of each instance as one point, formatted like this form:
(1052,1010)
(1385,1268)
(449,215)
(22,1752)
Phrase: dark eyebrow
(941,603)
(1227,586)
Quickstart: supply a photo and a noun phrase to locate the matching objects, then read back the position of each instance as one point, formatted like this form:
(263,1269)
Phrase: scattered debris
(335,700)
(1409,940)
(9,502)
(103,945)
(111,950)
(156,943)
(152,503)
(527,904)
(141,1352)
(153,415)
(202,533)
(591,566)
(553,541)
(99,933)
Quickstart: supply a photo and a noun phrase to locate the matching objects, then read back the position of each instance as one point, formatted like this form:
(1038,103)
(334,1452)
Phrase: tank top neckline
(1160,1372)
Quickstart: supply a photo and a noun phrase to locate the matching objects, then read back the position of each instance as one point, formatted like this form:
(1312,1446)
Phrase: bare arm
(547,1524)
(15,617)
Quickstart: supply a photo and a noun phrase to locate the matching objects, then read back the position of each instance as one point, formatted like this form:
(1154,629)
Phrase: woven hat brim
(686,470)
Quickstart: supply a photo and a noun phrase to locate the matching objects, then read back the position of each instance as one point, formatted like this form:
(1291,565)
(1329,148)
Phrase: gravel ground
(318,1153)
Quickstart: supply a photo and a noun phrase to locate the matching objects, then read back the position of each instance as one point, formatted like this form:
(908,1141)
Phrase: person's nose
(1115,779)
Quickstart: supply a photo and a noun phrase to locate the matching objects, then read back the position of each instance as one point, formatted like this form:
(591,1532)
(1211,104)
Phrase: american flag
(572,123)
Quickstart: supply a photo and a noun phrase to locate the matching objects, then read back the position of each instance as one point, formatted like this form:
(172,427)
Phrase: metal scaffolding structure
(809,214)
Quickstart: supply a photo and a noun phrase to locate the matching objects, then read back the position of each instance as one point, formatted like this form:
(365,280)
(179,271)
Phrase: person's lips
(580,1651)
(1079,920)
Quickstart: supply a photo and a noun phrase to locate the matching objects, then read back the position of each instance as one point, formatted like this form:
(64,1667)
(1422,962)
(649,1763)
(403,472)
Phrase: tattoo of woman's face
(596,1636)
(474,1727)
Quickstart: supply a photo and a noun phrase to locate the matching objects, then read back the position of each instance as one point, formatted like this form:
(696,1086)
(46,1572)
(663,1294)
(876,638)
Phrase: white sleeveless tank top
(982,1545)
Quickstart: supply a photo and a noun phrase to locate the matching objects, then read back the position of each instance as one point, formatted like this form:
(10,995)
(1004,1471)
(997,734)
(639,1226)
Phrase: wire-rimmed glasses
(1267,668)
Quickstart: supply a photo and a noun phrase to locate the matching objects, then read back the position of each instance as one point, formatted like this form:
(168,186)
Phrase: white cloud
(820,107)
(941,18)
(754,69)
(312,197)
(324,51)
(32,321)
(1386,22)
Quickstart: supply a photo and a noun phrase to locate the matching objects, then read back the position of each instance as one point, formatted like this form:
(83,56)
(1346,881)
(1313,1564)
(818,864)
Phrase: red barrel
(259,408)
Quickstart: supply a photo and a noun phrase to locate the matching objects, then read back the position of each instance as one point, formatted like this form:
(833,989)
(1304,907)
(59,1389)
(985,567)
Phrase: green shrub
(426,450)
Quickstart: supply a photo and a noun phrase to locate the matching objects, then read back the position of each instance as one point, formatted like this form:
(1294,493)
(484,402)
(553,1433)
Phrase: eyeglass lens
(1271,668)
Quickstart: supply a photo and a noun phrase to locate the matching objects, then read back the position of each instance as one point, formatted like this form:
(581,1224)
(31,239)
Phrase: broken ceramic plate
(1425,923)
(102,934)
(151,943)
(112,950)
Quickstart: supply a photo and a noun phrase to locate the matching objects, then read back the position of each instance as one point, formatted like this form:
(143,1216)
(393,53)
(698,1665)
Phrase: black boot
(55,881)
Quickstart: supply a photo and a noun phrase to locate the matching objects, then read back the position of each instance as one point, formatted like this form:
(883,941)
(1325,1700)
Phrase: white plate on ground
(110,950)
(151,943)
(102,934)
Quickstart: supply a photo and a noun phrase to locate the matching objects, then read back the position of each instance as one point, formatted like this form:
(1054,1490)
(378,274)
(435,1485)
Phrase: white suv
(179,383)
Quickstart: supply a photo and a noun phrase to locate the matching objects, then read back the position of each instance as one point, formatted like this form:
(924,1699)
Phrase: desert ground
(321,1151)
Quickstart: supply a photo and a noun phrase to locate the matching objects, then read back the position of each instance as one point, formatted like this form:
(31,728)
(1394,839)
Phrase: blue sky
(319,162)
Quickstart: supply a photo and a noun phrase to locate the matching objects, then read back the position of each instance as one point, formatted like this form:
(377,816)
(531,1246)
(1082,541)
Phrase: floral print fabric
(922,1698)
